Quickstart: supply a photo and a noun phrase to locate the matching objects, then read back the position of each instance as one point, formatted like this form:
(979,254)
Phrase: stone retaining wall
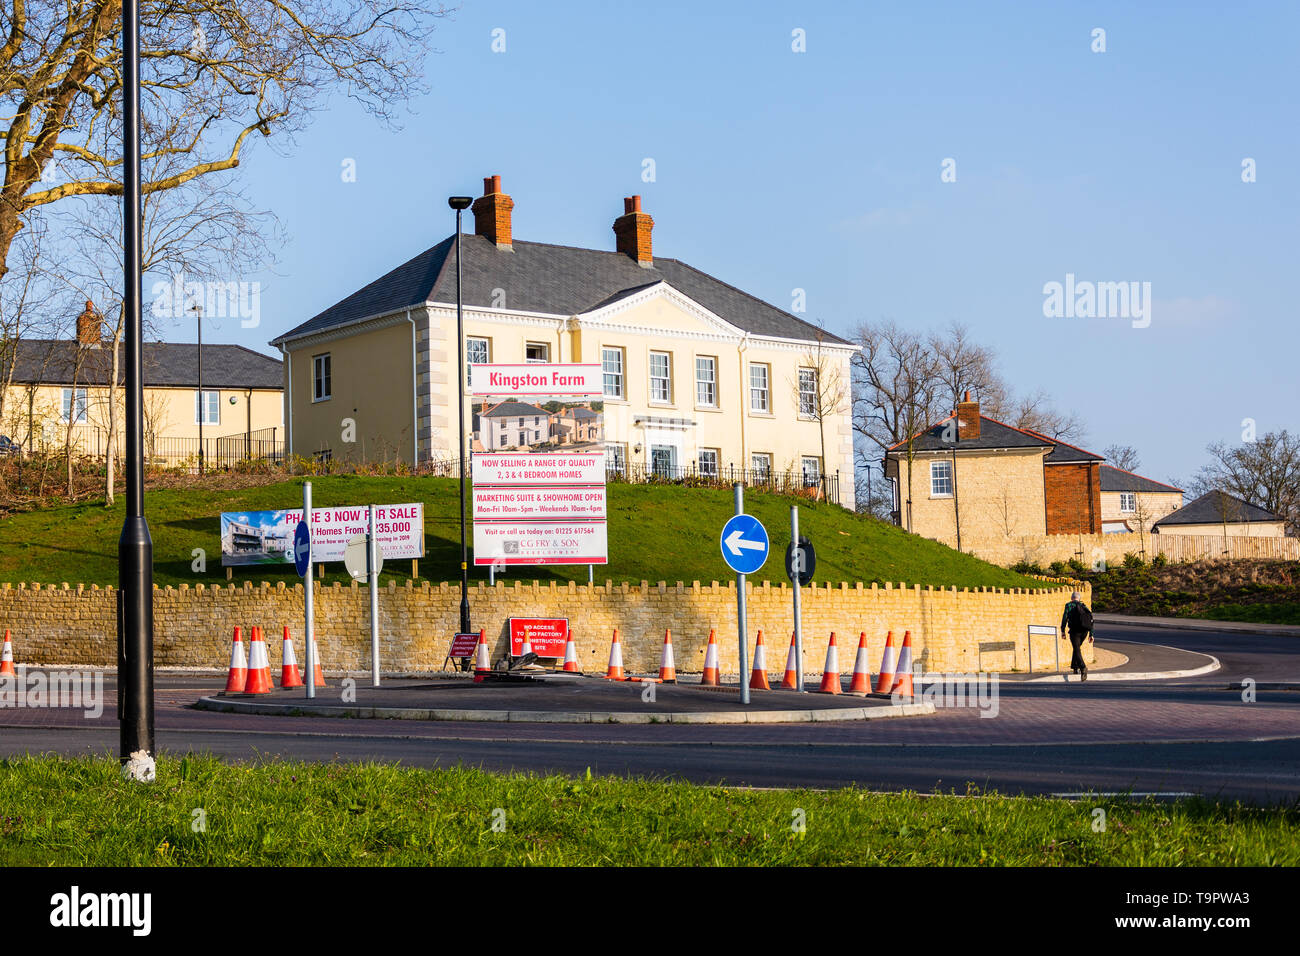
(951,629)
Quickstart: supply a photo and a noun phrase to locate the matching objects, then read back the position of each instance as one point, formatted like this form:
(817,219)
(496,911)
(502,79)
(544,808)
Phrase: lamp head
(459,202)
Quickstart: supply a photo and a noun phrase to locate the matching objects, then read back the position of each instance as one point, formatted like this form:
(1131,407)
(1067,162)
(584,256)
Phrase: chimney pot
(968,419)
(632,232)
(492,213)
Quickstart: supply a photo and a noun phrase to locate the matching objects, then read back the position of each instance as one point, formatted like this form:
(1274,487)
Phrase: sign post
(302,564)
(1043,629)
(744,547)
(372,566)
(796,568)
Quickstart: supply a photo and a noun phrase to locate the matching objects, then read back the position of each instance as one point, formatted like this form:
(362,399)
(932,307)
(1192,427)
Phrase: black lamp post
(460,204)
(135,546)
(203,409)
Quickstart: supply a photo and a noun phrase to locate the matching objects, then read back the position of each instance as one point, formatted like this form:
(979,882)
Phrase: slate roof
(995,435)
(557,280)
(1117,479)
(166,365)
(506,409)
(1212,507)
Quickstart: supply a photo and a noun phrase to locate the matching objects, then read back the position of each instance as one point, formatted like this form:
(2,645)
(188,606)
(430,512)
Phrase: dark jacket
(1065,618)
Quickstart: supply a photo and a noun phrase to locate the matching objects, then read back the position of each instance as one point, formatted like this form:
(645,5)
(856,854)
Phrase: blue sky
(777,170)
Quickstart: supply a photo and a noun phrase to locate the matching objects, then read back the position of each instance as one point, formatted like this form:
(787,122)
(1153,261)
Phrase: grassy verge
(79,813)
(656,533)
(1287,613)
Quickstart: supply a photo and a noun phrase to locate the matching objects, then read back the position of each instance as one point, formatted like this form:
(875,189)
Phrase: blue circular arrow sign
(301,548)
(744,544)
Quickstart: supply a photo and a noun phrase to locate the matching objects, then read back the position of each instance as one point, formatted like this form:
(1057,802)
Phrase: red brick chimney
(90,328)
(492,213)
(632,232)
(968,419)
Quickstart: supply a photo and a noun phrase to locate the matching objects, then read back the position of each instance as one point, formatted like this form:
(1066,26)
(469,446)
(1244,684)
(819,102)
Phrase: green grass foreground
(656,533)
(78,812)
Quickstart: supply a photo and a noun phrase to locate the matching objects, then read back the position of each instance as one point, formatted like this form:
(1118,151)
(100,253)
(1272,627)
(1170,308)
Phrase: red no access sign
(546,635)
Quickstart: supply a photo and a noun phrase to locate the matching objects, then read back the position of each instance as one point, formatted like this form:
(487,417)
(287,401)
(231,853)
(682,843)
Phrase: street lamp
(460,204)
(203,411)
(135,546)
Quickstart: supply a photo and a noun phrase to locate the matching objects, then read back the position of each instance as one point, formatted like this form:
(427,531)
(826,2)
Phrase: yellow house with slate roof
(699,376)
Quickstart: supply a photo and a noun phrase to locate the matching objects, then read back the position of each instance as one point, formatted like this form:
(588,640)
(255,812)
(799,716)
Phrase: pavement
(566,698)
(1199,624)
(1199,734)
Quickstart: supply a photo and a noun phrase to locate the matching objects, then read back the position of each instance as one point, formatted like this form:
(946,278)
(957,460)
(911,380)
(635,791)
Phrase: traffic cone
(571,656)
(710,675)
(885,682)
(758,676)
(667,669)
(527,647)
(791,679)
(259,667)
(903,684)
(831,672)
(317,673)
(235,681)
(861,669)
(289,676)
(482,662)
(615,671)
(7,657)
(266,654)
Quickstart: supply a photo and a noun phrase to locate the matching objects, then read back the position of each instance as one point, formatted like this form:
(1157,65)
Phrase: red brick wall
(632,231)
(1073,494)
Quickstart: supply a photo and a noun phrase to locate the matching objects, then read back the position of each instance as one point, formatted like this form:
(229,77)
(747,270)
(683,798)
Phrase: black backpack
(1080,618)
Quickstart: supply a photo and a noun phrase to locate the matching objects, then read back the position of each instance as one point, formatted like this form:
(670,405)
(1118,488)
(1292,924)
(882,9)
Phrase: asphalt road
(1194,735)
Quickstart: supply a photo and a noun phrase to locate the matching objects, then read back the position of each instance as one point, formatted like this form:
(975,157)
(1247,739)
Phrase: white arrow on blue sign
(744,544)
(301,548)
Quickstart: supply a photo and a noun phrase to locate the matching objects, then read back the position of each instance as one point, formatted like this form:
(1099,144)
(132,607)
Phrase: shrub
(1132,560)
(1159,561)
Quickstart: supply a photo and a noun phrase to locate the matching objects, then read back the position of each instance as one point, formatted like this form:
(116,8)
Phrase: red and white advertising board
(546,635)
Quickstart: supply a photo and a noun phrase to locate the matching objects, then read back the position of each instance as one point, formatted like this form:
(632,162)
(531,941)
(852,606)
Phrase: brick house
(972,478)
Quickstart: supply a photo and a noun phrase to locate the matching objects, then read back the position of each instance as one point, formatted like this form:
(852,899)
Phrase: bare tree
(1264,472)
(212,73)
(1124,457)
(821,391)
(1036,412)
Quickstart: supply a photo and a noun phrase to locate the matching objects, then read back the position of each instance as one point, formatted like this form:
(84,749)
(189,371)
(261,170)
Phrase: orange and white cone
(667,667)
(571,656)
(615,671)
(791,679)
(861,669)
(527,647)
(289,675)
(903,683)
(266,649)
(7,656)
(318,674)
(259,666)
(831,672)
(710,676)
(236,680)
(885,682)
(758,676)
(482,661)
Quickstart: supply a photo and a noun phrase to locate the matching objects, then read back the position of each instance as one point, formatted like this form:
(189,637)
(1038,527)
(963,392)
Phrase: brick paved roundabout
(1201,734)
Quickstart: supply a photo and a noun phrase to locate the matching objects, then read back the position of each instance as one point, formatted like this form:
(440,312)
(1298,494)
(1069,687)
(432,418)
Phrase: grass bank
(656,533)
(202,812)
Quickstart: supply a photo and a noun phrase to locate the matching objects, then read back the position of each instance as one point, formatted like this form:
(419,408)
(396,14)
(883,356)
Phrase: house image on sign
(578,426)
(513,425)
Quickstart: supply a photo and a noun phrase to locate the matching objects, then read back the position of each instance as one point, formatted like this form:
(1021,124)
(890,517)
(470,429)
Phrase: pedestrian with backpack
(1077,619)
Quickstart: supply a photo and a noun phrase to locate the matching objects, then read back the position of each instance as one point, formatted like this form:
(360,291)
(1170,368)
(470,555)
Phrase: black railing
(177,453)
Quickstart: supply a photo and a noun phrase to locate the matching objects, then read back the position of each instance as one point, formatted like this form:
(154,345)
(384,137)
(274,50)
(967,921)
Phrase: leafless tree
(1264,472)
(826,395)
(213,72)
(1124,457)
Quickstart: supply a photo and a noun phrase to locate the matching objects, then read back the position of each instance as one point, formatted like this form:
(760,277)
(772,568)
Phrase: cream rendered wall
(371,384)
(169,411)
(1155,505)
(658,322)
(1000,494)
(1252,529)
